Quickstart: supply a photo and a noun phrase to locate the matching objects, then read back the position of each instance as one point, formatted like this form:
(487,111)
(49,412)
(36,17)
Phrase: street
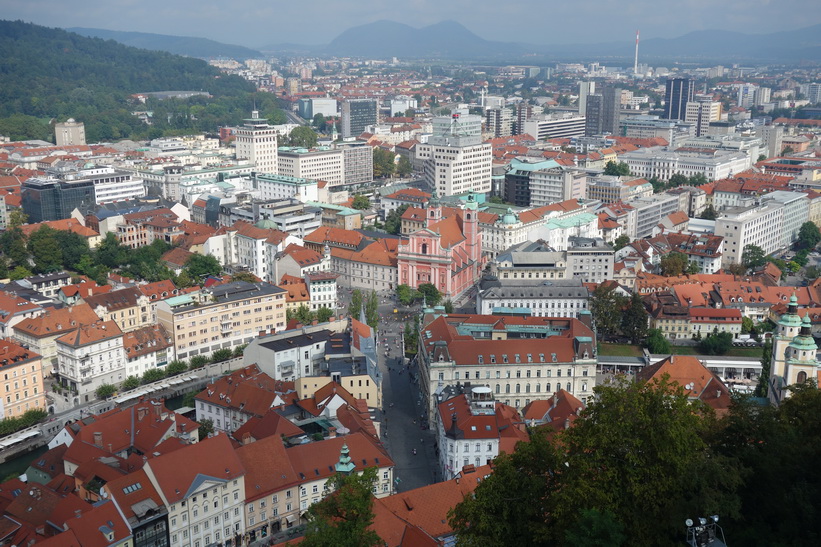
(402,406)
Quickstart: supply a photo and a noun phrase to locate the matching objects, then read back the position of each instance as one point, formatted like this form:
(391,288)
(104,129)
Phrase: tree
(658,185)
(747,325)
(17,218)
(448,306)
(176,367)
(110,252)
(355,307)
(302,314)
(132,382)
(717,343)
(302,137)
(46,253)
(361,202)
(343,518)
(199,266)
(404,167)
(393,220)
(222,354)
(205,429)
(761,157)
(153,375)
(105,391)
(406,295)
(410,112)
(245,276)
(324,314)
(673,264)
(430,293)
(372,310)
(319,121)
(709,213)
(606,306)
(619,169)
(621,242)
(787,151)
(20,272)
(513,505)
(383,163)
(596,528)
(762,387)
(239,351)
(634,320)
(198,361)
(737,269)
(656,343)
(411,338)
(753,257)
(808,236)
(13,246)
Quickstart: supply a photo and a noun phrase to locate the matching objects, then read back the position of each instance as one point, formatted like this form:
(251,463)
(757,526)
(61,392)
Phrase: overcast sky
(255,23)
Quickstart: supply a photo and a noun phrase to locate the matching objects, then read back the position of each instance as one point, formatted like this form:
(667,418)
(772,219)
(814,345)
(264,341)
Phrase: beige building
(256,141)
(701,112)
(22,379)
(317,164)
(129,308)
(69,133)
(224,316)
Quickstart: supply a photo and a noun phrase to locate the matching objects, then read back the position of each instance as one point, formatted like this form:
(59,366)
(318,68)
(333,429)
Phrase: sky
(255,23)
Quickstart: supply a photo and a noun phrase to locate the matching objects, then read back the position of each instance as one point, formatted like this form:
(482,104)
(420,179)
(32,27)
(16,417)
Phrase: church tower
(433,213)
(471,229)
(791,353)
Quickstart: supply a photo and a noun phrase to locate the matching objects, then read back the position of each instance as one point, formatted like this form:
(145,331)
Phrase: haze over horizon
(256,23)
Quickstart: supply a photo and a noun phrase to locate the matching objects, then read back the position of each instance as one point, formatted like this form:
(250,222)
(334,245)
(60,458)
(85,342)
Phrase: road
(402,427)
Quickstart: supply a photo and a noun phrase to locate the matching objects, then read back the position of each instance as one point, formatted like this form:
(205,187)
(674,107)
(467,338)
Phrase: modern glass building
(52,199)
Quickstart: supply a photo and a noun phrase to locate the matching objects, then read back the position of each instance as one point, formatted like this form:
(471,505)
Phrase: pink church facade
(446,253)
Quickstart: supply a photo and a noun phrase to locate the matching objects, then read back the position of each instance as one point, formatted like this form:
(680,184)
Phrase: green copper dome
(509,217)
(266,224)
(791,318)
(805,341)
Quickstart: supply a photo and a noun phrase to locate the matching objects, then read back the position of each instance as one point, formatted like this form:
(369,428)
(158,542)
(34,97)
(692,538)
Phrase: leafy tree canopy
(617,169)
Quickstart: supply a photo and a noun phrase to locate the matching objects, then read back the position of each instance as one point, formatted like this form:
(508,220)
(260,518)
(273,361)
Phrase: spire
(345,465)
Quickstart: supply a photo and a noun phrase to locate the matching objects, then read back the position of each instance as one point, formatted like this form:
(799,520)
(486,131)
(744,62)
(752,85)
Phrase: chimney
(331,432)
(98,439)
(141,412)
(157,409)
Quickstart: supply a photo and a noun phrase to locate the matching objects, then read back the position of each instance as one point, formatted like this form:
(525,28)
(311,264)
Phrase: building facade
(256,141)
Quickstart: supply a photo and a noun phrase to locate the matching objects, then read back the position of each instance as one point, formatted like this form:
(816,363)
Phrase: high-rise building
(499,122)
(70,133)
(524,111)
(256,141)
(701,112)
(357,114)
(555,126)
(602,114)
(455,161)
(678,93)
(585,90)
(814,93)
(53,199)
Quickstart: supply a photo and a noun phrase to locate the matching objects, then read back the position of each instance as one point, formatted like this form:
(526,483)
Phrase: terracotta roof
(383,252)
(149,339)
(57,321)
(115,300)
(686,370)
(558,412)
(679,217)
(184,469)
(12,305)
(91,334)
(302,255)
(268,467)
(94,526)
(316,460)
(247,389)
(176,257)
(270,424)
(248,230)
(330,235)
(68,224)
(159,290)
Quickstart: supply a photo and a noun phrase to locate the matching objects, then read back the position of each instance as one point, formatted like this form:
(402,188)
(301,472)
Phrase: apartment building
(146,349)
(89,357)
(555,126)
(589,259)
(651,210)
(223,316)
(281,186)
(202,485)
(796,207)
(22,380)
(321,163)
(539,183)
(701,112)
(251,247)
(609,189)
(520,358)
(358,160)
(761,225)
(129,308)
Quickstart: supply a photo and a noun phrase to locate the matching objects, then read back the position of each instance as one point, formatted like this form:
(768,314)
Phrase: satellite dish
(688,522)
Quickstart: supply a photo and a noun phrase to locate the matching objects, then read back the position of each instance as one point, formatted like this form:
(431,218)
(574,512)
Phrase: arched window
(424,248)
(468,216)
(538,388)
(802,377)
(527,388)
(518,388)
(498,388)
(507,388)
(547,388)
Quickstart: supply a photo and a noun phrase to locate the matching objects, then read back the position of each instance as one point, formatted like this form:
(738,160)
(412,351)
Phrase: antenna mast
(636,61)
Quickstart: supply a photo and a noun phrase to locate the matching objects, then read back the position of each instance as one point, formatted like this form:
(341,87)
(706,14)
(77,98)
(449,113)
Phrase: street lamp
(705,532)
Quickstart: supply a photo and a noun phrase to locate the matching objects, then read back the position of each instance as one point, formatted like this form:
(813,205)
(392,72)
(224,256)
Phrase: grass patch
(619,350)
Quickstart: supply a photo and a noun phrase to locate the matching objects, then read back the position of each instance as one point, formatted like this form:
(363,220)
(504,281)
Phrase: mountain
(447,39)
(189,46)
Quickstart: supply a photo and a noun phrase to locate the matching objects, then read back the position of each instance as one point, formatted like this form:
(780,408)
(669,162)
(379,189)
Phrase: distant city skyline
(256,23)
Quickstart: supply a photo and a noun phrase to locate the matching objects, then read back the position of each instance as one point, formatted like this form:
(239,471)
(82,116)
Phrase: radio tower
(636,62)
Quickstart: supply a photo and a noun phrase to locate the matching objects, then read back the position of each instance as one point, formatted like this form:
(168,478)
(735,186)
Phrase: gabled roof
(91,334)
(146,340)
(102,526)
(135,495)
(268,467)
(271,424)
(181,471)
(115,300)
(302,255)
(558,412)
(176,257)
(698,381)
(316,460)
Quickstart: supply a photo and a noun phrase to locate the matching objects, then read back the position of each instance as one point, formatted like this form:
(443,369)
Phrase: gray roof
(298,341)
(519,288)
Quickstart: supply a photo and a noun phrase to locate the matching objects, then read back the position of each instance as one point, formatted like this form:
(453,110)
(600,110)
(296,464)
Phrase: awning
(290,519)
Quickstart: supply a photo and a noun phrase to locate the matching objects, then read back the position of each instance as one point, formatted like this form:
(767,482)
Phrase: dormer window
(504,357)
(492,358)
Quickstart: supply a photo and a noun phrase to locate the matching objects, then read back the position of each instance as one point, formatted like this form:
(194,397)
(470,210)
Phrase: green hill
(50,74)
(190,46)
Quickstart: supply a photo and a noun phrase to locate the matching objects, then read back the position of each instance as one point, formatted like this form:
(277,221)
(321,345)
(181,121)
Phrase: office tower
(585,90)
(814,93)
(524,111)
(499,122)
(678,93)
(602,112)
(256,141)
(701,112)
(357,114)
(455,160)
(70,133)
(52,199)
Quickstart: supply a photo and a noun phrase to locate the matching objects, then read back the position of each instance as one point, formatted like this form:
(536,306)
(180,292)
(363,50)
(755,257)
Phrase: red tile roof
(268,467)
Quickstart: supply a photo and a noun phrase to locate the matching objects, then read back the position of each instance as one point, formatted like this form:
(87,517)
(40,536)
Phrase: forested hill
(51,73)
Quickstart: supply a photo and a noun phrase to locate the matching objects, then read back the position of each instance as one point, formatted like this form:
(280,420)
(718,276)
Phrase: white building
(796,212)
(756,225)
(556,184)
(701,112)
(557,232)
(555,126)
(651,210)
(249,247)
(256,141)
(590,259)
(663,163)
(320,163)
(89,357)
(146,349)
(455,160)
(293,354)
(544,298)
(278,186)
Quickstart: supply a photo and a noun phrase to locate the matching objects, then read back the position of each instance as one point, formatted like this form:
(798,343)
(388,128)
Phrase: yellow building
(223,316)
(22,380)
